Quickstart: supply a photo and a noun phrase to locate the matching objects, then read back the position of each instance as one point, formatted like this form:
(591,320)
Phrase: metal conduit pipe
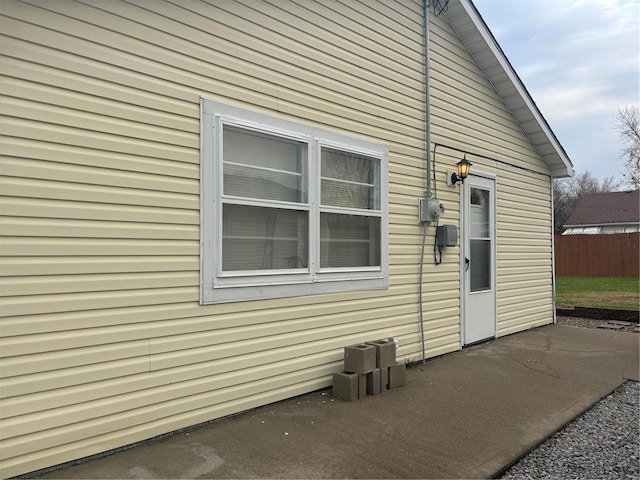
(427,86)
(427,97)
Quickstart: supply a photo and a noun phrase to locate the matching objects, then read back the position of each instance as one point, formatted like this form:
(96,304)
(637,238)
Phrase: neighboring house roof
(606,209)
(479,40)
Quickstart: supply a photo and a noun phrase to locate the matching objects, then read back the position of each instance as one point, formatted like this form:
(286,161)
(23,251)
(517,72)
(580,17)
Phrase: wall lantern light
(463,166)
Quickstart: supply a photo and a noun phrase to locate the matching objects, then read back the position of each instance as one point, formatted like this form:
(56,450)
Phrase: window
(288,209)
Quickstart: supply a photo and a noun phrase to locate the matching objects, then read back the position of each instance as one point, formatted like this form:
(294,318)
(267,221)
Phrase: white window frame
(218,286)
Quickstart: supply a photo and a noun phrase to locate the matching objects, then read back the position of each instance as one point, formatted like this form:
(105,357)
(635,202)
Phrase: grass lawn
(602,292)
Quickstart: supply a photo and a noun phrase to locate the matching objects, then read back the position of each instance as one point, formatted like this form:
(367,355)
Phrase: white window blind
(263,166)
(273,169)
(350,181)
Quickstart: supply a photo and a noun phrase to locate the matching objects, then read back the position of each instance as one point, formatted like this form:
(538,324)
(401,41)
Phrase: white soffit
(469,25)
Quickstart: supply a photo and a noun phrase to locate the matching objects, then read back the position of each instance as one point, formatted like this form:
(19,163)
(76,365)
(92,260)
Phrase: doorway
(478,259)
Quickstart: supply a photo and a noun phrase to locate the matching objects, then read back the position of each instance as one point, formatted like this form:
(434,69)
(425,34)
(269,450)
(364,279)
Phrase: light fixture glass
(463,169)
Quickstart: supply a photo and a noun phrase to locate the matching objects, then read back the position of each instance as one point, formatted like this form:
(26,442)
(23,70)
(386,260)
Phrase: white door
(478,259)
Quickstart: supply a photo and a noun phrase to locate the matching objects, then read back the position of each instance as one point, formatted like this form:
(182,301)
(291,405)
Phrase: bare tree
(628,127)
(561,208)
(567,193)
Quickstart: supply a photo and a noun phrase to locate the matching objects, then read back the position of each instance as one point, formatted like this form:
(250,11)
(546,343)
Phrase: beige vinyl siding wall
(103,341)
(468,114)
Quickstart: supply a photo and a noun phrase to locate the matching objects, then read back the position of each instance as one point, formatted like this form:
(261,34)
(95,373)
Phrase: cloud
(580,60)
(562,103)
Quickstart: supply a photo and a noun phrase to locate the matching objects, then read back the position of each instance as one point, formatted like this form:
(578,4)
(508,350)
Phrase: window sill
(235,293)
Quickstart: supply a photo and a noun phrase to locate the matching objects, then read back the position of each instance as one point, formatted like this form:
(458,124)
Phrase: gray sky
(580,61)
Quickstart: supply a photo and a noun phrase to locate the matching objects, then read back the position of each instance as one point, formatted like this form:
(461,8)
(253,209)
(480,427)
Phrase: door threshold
(478,342)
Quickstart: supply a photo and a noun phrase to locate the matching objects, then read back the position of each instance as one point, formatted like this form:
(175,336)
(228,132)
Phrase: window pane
(256,238)
(257,165)
(480,265)
(346,195)
(349,241)
(350,180)
(263,184)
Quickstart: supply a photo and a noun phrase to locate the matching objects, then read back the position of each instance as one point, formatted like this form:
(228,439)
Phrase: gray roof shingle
(607,208)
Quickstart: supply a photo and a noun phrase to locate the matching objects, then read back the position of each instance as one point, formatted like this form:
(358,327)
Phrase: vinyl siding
(103,340)
(468,113)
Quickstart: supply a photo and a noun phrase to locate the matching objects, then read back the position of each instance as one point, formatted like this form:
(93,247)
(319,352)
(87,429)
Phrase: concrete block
(385,352)
(362,385)
(397,375)
(373,382)
(384,379)
(345,386)
(359,358)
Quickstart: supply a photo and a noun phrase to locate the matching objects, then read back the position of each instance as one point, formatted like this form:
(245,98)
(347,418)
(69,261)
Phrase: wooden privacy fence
(614,255)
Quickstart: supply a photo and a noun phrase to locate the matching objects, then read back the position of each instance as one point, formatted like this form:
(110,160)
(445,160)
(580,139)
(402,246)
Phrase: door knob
(466,263)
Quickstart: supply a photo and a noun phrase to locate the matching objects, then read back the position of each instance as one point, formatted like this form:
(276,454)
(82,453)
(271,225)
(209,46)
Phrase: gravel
(602,443)
(590,323)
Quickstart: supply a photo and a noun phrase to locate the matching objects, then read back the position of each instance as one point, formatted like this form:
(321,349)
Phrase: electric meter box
(429,209)
(447,236)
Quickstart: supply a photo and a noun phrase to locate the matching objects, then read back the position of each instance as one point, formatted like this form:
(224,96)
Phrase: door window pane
(479,213)
(480,268)
(258,238)
(349,241)
(264,166)
(480,240)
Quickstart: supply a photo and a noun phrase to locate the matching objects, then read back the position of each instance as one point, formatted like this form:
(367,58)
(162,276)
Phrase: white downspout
(553,255)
